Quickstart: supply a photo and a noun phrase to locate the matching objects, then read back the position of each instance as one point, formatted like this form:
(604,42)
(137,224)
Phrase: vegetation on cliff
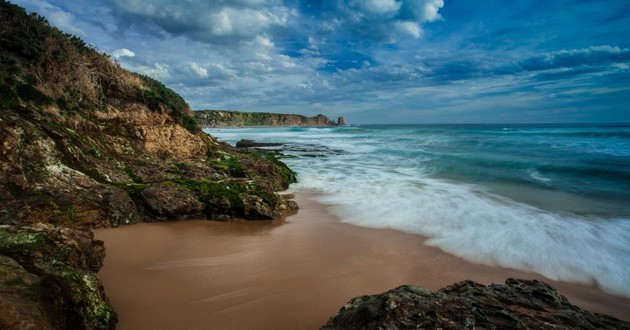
(224,118)
(85,142)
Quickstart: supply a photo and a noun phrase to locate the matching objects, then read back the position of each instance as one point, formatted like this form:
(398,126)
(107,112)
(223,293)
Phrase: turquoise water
(550,199)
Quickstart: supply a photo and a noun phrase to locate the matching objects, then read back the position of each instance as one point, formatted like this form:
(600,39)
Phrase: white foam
(382,190)
(534,174)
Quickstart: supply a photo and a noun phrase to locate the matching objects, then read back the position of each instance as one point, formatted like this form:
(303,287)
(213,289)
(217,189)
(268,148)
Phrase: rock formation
(220,118)
(48,281)
(517,304)
(85,142)
(341,121)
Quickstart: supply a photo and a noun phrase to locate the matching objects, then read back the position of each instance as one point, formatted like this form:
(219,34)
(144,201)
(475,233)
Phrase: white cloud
(213,21)
(380,7)
(426,10)
(198,70)
(157,71)
(123,52)
(408,28)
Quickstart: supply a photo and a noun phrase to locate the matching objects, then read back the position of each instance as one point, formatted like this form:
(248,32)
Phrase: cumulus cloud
(208,21)
(156,71)
(123,52)
(383,20)
(198,70)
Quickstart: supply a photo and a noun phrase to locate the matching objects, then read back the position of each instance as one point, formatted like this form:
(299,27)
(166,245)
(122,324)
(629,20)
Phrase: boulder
(517,304)
(48,279)
(168,200)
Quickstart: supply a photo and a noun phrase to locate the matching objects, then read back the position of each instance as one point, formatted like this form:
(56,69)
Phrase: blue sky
(373,61)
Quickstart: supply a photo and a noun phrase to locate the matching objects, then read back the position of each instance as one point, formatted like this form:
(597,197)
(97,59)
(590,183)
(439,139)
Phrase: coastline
(293,273)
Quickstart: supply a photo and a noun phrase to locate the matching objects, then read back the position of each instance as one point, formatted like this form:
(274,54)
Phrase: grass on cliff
(40,66)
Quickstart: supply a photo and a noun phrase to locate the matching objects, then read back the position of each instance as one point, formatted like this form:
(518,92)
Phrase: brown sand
(279,275)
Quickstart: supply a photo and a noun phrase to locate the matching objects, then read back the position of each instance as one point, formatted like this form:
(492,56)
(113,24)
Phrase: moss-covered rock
(79,145)
(49,273)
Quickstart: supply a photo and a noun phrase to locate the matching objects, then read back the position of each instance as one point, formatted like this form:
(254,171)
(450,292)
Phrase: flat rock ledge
(517,304)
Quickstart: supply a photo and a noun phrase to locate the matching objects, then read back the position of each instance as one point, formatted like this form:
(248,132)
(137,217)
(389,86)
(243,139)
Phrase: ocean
(550,199)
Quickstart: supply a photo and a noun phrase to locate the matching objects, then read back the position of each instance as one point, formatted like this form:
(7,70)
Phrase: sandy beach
(291,274)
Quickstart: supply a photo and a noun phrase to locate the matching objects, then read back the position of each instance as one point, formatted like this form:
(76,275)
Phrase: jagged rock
(341,121)
(48,281)
(171,201)
(517,304)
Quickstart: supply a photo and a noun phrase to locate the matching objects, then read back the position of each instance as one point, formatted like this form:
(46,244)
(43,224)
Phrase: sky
(373,61)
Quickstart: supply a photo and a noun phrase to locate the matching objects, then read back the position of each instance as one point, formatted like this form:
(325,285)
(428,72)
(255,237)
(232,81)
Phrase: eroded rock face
(48,281)
(517,304)
(80,144)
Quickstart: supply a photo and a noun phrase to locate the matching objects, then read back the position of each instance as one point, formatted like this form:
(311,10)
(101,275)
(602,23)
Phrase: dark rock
(48,281)
(517,304)
(341,121)
(245,143)
(168,200)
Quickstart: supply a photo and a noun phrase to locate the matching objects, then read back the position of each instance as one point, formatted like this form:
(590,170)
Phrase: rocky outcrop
(221,118)
(84,142)
(245,143)
(341,121)
(517,304)
(48,281)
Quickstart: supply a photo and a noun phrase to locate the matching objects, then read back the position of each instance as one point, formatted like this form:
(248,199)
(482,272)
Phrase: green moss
(17,241)
(224,196)
(228,164)
(134,177)
(288,175)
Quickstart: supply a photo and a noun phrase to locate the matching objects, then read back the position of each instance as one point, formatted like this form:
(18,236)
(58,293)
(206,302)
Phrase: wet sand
(291,274)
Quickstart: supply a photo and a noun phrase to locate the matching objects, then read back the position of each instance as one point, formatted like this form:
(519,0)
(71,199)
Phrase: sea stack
(341,121)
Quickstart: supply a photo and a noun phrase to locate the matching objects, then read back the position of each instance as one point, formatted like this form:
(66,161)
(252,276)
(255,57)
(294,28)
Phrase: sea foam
(387,179)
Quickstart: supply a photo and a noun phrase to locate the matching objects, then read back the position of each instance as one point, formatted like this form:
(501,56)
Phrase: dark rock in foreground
(517,304)
(48,280)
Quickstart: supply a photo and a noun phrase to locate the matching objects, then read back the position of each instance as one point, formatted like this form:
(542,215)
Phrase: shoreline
(293,273)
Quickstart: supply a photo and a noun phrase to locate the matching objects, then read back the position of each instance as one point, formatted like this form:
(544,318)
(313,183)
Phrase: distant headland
(229,118)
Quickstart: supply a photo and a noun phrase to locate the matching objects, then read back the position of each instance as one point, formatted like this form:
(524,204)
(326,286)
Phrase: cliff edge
(222,118)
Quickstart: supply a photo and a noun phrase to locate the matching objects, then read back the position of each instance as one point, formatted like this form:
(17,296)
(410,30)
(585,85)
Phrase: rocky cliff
(220,118)
(85,143)
(517,304)
(48,281)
